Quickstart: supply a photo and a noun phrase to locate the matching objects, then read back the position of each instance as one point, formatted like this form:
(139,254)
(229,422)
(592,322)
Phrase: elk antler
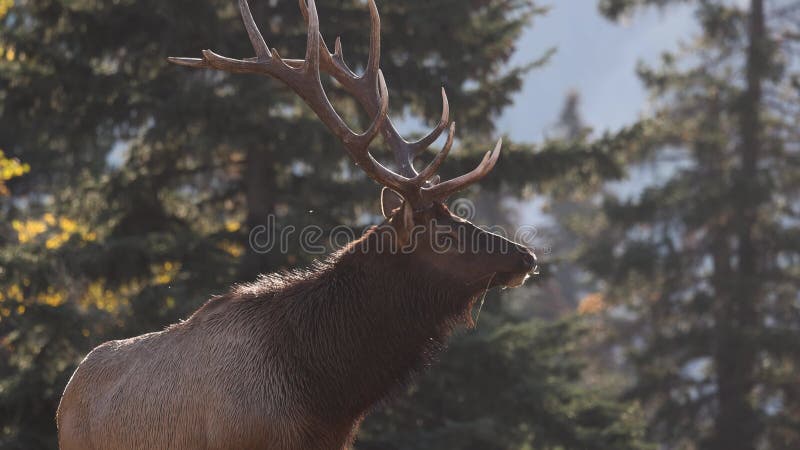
(303,77)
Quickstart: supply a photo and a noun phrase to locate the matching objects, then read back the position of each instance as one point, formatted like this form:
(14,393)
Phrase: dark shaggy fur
(292,361)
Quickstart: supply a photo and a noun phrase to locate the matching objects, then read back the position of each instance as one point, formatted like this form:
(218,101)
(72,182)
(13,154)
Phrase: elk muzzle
(526,265)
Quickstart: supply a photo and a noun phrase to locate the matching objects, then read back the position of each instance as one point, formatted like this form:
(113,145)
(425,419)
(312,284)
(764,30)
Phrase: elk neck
(366,320)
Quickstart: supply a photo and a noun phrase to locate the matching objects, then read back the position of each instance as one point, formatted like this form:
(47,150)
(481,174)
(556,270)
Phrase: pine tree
(145,179)
(512,384)
(569,202)
(702,266)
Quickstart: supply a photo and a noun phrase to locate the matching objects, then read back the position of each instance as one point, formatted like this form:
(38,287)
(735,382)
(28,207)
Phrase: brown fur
(292,361)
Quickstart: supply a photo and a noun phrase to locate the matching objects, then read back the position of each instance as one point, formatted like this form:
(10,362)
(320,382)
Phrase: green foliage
(700,266)
(614,9)
(491,370)
(146,178)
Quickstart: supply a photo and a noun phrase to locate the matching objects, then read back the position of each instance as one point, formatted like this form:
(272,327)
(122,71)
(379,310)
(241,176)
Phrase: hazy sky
(597,58)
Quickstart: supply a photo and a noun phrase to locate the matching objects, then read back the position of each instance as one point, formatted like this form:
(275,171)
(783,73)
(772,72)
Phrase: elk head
(412,201)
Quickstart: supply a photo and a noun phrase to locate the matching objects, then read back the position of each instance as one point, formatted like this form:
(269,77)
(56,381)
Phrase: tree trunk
(259,192)
(737,423)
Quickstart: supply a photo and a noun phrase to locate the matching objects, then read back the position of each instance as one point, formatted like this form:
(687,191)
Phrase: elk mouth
(511,279)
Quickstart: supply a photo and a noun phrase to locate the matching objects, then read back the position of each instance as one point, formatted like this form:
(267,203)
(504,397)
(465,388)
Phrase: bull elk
(296,360)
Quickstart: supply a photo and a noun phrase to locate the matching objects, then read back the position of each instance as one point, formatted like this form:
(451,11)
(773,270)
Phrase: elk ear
(390,200)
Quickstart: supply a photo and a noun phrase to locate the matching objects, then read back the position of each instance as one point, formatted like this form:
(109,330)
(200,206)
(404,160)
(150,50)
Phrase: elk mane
(358,324)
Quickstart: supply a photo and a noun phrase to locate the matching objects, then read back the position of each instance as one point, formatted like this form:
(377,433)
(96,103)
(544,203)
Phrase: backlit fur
(292,361)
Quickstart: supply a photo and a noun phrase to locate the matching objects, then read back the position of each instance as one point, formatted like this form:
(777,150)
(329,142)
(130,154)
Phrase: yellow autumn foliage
(56,231)
(69,226)
(166,272)
(10,167)
(52,297)
(28,230)
(232,226)
(5,5)
(95,295)
(592,304)
(231,248)
(98,296)
(14,293)
(57,240)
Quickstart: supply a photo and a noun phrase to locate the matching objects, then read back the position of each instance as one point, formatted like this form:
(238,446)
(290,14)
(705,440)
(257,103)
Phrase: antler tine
(358,147)
(433,167)
(360,86)
(370,91)
(197,63)
(256,38)
(337,48)
(405,151)
(314,38)
(303,9)
(331,63)
(356,144)
(441,191)
(423,144)
(337,61)
(214,61)
(374,60)
(362,141)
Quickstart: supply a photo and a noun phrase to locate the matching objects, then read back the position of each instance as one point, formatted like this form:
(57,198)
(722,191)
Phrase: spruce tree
(511,384)
(700,269)
(145,179)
